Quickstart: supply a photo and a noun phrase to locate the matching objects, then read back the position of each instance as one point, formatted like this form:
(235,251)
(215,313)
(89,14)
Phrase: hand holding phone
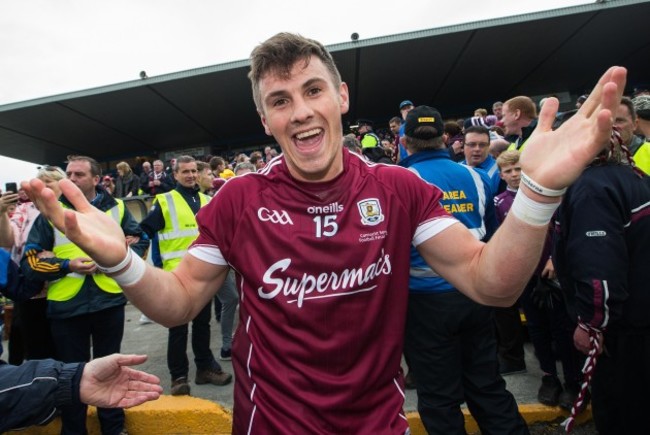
(11,188)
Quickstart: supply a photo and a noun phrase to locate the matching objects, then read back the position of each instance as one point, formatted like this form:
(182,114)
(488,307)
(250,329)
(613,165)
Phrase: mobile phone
(11,187)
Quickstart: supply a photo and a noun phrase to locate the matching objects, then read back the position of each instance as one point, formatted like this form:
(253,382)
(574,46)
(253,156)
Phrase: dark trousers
(73,338)
(37,337)
(550,324)
(620,386)
(453,356)
(510,335)
(177,361)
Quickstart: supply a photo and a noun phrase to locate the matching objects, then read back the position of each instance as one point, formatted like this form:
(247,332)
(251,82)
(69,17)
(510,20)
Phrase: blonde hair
(53,172)
(509,157)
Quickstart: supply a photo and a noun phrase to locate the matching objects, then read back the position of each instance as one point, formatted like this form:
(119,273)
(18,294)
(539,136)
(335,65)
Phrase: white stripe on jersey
(267,168)
(431,228)
(209,254)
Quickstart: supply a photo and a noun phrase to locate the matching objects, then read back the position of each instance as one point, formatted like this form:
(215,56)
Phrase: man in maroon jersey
(322,264)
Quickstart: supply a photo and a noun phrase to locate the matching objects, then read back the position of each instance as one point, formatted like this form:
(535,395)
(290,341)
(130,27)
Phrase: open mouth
(306,140)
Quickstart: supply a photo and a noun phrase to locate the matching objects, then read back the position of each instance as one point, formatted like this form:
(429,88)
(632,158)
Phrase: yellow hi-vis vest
(642,157)
(180,228)
(514,145)
(66,288)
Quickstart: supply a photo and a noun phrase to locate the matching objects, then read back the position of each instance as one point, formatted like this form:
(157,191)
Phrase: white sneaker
(144,320)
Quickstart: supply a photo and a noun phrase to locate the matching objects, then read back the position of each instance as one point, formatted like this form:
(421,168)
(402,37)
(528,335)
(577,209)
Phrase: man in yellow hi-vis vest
(172,218)
(84,306)
(626,119)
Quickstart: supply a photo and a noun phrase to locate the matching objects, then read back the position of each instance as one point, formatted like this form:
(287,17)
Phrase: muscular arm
(492,273)
(496,272)
(174,298)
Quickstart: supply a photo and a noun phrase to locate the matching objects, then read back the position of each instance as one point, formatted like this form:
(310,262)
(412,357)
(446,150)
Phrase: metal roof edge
(493,22)
(126,85)
(590,7)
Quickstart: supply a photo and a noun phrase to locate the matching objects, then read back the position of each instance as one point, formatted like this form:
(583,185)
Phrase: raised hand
(556,158)
(7,200)
(108,383)
(92,230)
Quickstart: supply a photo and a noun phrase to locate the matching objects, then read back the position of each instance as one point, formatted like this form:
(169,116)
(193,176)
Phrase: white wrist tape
(532,212)
(536,187)
(121,265)
(133,273)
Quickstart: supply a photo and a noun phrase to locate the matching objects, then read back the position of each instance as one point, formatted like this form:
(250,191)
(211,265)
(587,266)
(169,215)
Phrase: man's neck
(90,196)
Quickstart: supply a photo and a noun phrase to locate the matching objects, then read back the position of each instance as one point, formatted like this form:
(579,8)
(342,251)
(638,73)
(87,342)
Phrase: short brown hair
(183,159)
(95,169)
(201,166)
(278,54)
(524,104)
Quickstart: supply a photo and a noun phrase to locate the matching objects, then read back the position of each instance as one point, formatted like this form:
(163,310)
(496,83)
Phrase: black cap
(367,122)
(423,116)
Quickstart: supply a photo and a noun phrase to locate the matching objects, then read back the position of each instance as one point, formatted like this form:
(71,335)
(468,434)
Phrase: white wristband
(538,188)
(121,265)
(133,273)
(532,212)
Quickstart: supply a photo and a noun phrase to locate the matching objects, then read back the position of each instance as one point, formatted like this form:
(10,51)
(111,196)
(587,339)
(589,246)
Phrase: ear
(517,114)
(344,97)
(263,119)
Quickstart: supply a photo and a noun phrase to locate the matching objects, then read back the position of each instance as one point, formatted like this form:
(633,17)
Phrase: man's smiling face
(303,113)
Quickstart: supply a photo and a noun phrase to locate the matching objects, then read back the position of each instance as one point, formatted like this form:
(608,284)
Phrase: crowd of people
(429,238)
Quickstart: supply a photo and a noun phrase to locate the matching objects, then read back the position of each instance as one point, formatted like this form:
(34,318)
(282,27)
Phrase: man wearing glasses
(476,149)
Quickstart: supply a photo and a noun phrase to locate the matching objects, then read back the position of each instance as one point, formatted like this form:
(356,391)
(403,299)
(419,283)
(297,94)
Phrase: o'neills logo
(334,207)
(324,285)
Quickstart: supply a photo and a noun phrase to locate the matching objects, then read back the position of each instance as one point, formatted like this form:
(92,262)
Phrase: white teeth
(306,134)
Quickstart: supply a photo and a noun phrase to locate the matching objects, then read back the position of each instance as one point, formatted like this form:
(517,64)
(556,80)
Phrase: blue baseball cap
(405,103)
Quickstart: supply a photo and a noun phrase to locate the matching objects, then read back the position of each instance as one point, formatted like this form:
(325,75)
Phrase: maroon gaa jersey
(322,271)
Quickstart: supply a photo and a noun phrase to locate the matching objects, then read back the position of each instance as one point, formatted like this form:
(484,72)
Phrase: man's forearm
(175,298)
(508,260)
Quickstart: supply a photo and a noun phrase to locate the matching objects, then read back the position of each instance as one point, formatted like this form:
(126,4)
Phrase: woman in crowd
(127,183)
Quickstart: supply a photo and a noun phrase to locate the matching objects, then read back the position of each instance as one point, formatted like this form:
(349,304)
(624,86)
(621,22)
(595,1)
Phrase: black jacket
(602,248)
(31,393)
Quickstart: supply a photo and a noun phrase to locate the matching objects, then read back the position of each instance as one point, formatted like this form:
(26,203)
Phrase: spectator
(626,121)
(455,139)
(601,258)
(85,307)
(450,341)
(476,149)
(158,181)
(257,161)
(172,211)
(31,314)
(404,108)
(497,109)
(367,137)
(244,168)
(519,120)
(108,184)
(31,394)
(127,183)
(642,110)
(219,169)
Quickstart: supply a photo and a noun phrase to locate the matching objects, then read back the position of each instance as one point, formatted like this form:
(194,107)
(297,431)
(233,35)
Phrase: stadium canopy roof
(456,69)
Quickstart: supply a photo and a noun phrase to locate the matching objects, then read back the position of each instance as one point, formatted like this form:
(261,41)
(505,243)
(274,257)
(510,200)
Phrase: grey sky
(51,47)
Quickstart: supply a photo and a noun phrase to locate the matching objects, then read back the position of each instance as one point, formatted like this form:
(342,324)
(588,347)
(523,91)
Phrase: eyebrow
(283,92)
